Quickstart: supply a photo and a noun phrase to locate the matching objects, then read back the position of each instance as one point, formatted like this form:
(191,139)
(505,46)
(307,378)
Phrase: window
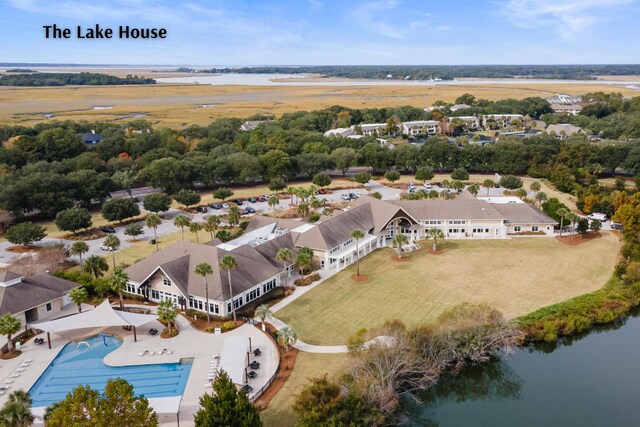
(433,222)
(457,222)
(534,228)
(454,230)
(322,263)
(190,302)
(166,281)
(48,307)
(268,286)
(155,294)
(517,228)
(347,243)
(336,249)
(214,308)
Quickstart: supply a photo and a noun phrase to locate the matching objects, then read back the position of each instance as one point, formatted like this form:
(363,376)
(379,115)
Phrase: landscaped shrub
(307,280)
(227,326)
(511,182)
(315,217)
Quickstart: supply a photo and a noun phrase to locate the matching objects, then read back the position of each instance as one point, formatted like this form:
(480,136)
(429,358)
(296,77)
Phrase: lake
(267,80)
(591,380)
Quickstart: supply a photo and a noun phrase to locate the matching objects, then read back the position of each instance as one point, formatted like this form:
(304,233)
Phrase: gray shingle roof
(32,292)
(523,213)
(449,209)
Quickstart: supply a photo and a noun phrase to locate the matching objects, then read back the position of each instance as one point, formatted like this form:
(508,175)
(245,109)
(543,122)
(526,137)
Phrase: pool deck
(189,344)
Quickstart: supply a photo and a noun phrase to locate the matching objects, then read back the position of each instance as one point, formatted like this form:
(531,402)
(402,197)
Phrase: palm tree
(457,185)
(535,187)
(302,210)
(435,234)
(541,198)
(9,325)
(118,283)
(273,202)
(263,312)
(167,313)
(286,337)
(228,263)
(234,216)
(521,193)
(303,260)
(96,265)
(562,213)
(573,218)
(446,183)
(212,225)
(398,241)
(357,234)
(194,227)
(79,248)
(78,296)
(112,242)
(182,221)
(16,412)
(153,221)
(284,255)
(203,269)
(488,184)
(473,189)
(316,203)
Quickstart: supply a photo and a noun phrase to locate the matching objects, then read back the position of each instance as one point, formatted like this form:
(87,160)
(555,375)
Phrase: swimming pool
(83,365)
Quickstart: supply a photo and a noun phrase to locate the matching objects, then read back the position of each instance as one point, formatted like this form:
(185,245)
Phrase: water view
(592,381)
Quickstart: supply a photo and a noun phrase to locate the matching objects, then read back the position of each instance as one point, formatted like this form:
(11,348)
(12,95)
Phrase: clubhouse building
(170,273)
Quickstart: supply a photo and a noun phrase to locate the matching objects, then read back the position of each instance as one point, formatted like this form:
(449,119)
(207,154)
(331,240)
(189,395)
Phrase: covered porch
(347,256)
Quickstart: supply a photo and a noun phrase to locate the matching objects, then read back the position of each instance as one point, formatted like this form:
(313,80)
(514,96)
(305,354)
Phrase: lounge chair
(169,351)
(16,375)
(143,353)
(20,370)
(8,381)
(152,353)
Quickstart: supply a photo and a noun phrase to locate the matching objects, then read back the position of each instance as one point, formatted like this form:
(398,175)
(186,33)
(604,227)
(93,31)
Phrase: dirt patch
(397,258)
(360,278)
(19,249)
(14,354)
(169,334)
(578,239)
(436,252)
(287,363)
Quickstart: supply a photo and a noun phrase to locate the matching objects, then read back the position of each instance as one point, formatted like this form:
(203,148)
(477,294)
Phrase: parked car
(496,186)
(599,216)
(346,197)
(202,209)
(354,195)
(107,248)
(252,200)
(438,184)
(238,202)
(261,199)
(616,225)
(412,190)
(108,230)
(428,185)
(215,206)
(322,191)
(412,185)
(248,210)
(225,206)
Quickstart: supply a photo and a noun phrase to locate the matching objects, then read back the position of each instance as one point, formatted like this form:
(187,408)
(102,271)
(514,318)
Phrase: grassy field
(308,365)
(515,276)
(566,198)
(178,105)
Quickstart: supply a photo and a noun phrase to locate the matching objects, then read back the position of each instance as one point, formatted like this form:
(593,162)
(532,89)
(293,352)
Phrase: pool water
(83,365)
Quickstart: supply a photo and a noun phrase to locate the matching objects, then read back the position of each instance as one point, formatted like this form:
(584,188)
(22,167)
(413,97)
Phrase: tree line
(64,79)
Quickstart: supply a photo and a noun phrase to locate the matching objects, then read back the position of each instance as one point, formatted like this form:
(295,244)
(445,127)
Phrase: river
(280,80)
(591,380)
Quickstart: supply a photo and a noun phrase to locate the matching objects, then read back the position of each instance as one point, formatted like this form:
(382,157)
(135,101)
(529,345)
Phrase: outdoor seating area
(38,341)
(24,364)
(153,332)
(159,352)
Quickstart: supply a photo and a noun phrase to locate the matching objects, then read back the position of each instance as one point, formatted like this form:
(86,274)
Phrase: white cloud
(375,15)
(566,17)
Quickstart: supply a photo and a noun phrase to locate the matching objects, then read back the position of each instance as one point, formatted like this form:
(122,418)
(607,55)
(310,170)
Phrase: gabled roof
(32,291)
(449,209)
(179,261)
(523,213)
(7,276)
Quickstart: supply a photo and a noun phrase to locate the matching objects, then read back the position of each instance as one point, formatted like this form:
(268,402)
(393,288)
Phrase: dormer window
(166,281)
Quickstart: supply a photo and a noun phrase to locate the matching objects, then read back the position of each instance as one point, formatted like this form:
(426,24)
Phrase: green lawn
(515,276)
(279,413)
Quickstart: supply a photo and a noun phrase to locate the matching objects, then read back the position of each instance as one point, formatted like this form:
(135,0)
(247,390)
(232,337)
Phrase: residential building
(470,122)
(421,127)
(457,107)
(562,131)
(34,298)
(343,132)
(250,125)
(373,129)
(502,120)
(521,218)
(573,109)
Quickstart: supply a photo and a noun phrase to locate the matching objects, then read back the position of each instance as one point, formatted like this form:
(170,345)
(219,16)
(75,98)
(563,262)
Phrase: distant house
(459,107)
(573,109)
(502,120)
(470,122)
(30,299)
(250,125)
(91,138)
(343,132)
(421,127)
(563,131)
(373,129)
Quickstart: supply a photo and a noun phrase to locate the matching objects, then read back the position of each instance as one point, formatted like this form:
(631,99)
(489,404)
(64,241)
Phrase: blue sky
(291,32)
